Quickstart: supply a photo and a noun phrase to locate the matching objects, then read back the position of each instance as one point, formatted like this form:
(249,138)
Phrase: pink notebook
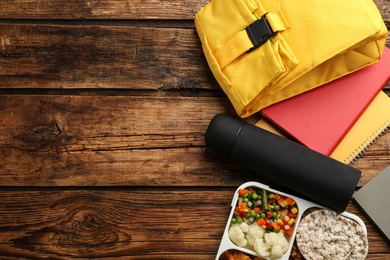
(321,117)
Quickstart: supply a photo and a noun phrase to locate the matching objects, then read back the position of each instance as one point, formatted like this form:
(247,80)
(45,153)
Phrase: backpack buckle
(259,32)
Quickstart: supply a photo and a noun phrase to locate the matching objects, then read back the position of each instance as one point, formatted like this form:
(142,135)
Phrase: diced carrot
(241,206)
(261,222)
(275,226)
(282,202)
(269,214)
(290,231)
(290,201)
(257,210)
(242,192)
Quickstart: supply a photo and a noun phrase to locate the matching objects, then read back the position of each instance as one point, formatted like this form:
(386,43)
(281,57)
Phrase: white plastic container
(302,205)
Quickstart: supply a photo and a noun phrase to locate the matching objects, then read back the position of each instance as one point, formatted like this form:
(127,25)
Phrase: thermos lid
(222,133)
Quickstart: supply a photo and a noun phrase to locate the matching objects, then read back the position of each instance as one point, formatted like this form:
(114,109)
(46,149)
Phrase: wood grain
(103,109)
(122,223)
(88,141)
(119,9)
(101,9)
(55,56)
(104,224)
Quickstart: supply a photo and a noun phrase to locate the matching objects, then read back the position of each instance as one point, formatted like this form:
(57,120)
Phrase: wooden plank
(63,56)
(102,57)
(118,223)
(59,140)
(110,224)
(101,9)
(43,123)
(101,141)
(119,9)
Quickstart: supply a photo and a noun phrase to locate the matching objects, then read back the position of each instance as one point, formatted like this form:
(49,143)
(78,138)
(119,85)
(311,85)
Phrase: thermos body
(305,171)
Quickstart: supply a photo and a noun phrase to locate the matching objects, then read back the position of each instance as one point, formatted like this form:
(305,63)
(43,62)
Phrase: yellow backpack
(265,51)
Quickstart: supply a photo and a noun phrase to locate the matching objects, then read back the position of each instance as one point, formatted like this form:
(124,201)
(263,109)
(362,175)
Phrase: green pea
(262,215)
(271,196)
(234,220)
(248,215)
(255,196)
(274,214)
(240,198)
(276,207)
(257,216)
(253,214)
(246,199)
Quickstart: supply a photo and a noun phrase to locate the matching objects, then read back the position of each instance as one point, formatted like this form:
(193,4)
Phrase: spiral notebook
(372,199)
(320,118)
(371,124)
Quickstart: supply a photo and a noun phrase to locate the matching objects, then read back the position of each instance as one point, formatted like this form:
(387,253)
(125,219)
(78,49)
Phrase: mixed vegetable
(271,211)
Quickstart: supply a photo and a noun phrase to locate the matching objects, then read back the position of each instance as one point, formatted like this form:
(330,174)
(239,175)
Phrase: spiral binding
(367,143)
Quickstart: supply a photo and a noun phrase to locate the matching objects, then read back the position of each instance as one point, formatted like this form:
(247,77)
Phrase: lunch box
(302,205)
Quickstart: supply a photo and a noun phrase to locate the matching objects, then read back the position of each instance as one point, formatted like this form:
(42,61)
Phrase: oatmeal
(323,234)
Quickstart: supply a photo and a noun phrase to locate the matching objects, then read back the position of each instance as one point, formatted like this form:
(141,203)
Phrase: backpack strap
(252,37)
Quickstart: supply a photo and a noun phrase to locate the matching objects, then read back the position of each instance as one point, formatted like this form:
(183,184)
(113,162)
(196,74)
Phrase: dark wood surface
(103,110)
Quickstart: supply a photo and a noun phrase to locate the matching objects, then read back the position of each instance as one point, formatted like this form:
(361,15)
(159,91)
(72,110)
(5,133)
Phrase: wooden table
(103,110)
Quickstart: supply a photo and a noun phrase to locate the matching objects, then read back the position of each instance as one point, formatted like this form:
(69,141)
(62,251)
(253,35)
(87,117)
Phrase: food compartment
(324,234)
(261,224)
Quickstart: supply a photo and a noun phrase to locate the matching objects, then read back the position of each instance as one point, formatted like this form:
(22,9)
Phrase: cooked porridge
(324,234)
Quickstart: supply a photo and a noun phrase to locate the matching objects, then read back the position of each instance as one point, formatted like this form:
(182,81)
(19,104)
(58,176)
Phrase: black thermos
(305,171)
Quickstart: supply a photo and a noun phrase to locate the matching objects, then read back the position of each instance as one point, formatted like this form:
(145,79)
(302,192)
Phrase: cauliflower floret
(237,236)
(244,227)
(261,247)
(255,232)
(273,245)
(278,244)
(276,251)
(283,242)
(271,238)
